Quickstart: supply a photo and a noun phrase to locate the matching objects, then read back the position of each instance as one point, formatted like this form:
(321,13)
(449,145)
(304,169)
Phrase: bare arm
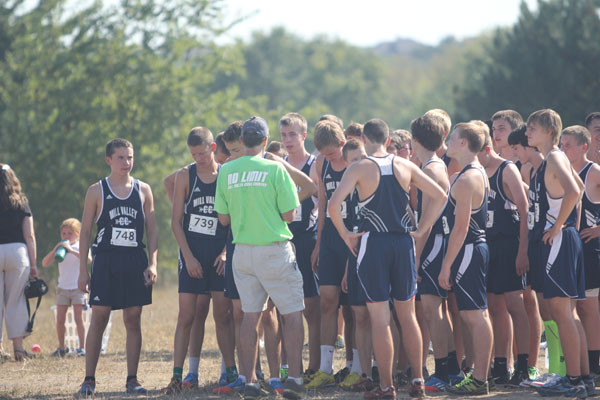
(511,179)
(321,212)
(29,234)
(90,210)
(224,219)
(303,181)
(49,258)
(169,183)
(289,215)
(152,234)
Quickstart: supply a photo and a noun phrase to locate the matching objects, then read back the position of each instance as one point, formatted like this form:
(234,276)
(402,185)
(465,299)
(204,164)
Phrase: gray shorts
(68,297)
(267,271)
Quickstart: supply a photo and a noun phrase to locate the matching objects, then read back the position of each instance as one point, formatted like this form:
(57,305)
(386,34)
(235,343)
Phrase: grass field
(48,378)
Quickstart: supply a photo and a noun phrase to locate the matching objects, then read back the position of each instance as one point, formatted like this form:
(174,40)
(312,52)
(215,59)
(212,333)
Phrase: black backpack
(35,288)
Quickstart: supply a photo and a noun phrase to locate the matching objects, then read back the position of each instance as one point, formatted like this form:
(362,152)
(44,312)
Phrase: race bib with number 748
(123,237)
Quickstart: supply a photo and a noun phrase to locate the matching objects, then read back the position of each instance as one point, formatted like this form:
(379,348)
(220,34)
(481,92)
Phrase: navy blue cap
(256,126)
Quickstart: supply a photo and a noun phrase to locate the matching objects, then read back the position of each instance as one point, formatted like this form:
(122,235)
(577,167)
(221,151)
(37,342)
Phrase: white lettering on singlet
(122,211)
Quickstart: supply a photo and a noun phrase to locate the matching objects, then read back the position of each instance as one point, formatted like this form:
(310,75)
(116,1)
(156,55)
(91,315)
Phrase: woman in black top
(17,258)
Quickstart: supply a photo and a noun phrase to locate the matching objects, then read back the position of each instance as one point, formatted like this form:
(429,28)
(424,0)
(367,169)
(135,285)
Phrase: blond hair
(72,223)
(328,133)
(443,115)
(473,133)
(547,119)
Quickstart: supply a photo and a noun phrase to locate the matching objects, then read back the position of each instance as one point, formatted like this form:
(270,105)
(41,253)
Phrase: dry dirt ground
(46,377)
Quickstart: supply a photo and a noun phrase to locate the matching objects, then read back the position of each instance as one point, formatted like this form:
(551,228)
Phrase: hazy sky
(366,23)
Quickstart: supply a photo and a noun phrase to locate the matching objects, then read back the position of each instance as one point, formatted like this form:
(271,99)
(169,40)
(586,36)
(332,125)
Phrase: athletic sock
(356,367)
(232,373)
(374,363)
(522,361)
(222,364)
(177,372)
(130,377)
(327,359)
(556,363)
(500,367)
(453,367)
(441,368)
(594,359)
(242,378)
(193,364)
(574,380)
(90,378)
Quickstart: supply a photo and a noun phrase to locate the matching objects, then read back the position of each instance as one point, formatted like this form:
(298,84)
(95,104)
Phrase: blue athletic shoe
(435,385)
(234,387)
(590,387)
(276,386)
(563,387)
(134,387)
(190,381)
(87,387)
(223,379)
(456,379)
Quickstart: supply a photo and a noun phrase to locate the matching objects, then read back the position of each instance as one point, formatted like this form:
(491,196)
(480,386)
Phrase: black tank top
(590,211)
(502,215)
(200,220)
(386,210)
(305,219)
(331,180)
(121,220)
(438,226)
(476,231)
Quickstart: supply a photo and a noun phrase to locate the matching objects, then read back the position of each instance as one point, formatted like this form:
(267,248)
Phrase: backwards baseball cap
(256,126)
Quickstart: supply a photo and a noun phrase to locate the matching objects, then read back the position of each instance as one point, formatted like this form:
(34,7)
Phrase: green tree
(549,59)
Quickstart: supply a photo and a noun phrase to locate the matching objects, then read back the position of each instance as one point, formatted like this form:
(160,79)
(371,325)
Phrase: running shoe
(222,379)
(365,384)
(292,390)
(590,386)
(254,391)
(435,385)
(276,386)
(469,387)
(87,387)
(341,375)
(389,393)
(402,379)
(133,386)
(517,378)
(417,389)
(456,379)
(350,380)
(308,375)
(563,387)
(79,352)
(174,386)
(320,379)
(60,353)
(235,386)
(191,381)
(533,373)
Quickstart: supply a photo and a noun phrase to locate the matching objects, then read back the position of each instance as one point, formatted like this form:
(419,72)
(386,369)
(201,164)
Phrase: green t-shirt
(255,192)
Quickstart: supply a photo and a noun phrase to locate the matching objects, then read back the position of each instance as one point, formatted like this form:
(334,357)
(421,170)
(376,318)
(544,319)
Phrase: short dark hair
(233,132)
(276,148)
(115,144)
(332,118)
(354,130)
(429,131)
(517,136)
(513,118)
(221,144)
(377,131)
(200,136)
(352,144)
(591,117)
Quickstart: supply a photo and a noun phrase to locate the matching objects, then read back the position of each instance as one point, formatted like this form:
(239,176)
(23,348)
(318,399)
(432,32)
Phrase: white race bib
(123,237)
(343,210)
(530,220)
(298,216)
(203,224)
(490,219)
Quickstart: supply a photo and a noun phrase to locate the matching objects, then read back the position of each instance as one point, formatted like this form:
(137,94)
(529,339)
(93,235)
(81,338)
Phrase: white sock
(193,364)
(223,370)
(297,380)
(356,363)
(242,377)
(374,363)
(327,359)
(285,366)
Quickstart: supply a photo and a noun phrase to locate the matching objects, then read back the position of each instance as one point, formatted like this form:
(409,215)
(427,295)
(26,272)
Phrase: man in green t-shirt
(258,198)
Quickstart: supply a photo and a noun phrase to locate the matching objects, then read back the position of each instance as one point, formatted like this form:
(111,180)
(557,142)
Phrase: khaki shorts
(267,271)
(67,297)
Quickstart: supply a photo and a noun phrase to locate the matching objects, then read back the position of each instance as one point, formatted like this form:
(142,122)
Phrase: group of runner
(412,236)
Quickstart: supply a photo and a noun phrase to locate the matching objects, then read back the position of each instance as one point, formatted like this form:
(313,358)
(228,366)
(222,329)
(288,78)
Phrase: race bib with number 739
(203,224)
